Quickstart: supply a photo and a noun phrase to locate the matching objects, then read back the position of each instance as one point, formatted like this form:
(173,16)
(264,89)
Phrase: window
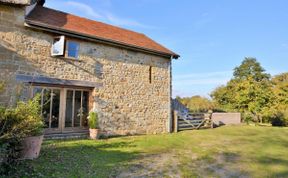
(150,74)
(50,105)
(76,108)
(72,49)
(65,48)
(58,46)
(63,109)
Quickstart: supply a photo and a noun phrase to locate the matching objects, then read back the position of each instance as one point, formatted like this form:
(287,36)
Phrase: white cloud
(105,15)
(84,8)
(207,81)
(125,22)
(199,83)
(203,75)
(204,82)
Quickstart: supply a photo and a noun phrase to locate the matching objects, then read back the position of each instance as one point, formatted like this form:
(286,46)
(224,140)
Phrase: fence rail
(192,121)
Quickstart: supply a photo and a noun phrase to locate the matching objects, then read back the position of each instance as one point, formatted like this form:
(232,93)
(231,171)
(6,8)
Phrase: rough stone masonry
(129,101)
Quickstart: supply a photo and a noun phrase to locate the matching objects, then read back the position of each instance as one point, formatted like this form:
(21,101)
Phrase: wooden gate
(191,121)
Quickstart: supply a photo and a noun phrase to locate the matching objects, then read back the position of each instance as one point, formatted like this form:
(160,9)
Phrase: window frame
(66,49)
(62,105)
(54,43)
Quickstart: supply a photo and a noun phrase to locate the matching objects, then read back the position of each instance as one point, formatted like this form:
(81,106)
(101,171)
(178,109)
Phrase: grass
(229,151)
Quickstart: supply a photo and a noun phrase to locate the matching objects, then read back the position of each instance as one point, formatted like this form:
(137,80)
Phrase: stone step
(77,135)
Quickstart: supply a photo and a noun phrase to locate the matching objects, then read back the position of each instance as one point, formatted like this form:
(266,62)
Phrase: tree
(197,103)
(250,68)
(280,87)
(249,91)
(279,111)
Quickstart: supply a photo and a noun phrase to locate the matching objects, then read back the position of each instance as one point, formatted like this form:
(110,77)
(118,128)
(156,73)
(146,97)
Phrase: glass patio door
(76,111)
(50,107)
(63,109)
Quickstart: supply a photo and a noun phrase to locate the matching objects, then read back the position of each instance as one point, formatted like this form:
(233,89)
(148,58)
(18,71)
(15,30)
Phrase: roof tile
(58,20)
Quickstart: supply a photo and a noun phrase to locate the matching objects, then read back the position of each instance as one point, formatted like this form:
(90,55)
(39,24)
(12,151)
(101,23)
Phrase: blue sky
(211,36)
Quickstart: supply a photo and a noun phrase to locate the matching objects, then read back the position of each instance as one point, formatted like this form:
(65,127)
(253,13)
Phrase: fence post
(208,117)
(175,117)
(211,119)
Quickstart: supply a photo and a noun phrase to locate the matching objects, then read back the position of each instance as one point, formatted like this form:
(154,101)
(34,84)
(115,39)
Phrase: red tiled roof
(57,20)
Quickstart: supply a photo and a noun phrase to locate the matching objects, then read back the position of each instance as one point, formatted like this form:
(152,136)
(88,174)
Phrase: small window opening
(58,46)
(72,49)
(150,74)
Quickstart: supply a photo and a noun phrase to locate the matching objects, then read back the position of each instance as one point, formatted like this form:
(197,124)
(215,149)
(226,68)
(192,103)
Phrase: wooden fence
(191,121)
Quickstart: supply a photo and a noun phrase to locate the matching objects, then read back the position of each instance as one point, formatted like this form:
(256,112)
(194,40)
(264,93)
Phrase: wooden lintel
(57,81)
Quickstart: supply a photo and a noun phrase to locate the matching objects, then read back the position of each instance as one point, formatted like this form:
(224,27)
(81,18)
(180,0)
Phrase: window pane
(55,108)
(69,108)
(77,109)
(46,106)
(58,46)
(73,49)
(37,90)
(85,108)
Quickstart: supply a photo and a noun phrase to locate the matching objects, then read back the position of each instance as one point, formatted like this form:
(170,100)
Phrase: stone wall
(19,2)
(128,102)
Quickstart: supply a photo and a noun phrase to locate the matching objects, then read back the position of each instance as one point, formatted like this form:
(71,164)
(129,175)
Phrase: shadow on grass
(223,164)
(275,162)
(72,158)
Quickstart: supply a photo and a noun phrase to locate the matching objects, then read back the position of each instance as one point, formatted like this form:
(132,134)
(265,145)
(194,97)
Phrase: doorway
(63,109)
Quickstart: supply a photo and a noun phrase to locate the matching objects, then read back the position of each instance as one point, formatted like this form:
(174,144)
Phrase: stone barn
(79,65)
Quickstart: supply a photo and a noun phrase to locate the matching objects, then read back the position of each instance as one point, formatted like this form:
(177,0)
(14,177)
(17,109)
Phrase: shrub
(93,120)
(30,116)
(15,124)
(280,119)
(10,139)
(247,118)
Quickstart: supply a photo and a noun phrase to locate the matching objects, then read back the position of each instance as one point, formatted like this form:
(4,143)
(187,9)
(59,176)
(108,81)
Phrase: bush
(93,120)
(10,139)
(281,119)
(247,118)
(15,124)
(30,116)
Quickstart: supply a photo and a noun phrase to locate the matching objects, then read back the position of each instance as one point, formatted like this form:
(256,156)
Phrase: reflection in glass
(85,102)
(77,109)
(46,100)
(69,109)
(55,108)
(73,49)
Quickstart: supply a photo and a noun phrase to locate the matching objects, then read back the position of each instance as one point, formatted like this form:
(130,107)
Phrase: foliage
(93,120)
(10,139)
(250,68)
(280,87)
(280,118)
(15,124)
(279,111)
(2,86)
(249,92)
(30,115)
(222,152)
(197,103)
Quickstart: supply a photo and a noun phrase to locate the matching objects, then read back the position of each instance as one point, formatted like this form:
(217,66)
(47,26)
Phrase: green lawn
(229,151)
